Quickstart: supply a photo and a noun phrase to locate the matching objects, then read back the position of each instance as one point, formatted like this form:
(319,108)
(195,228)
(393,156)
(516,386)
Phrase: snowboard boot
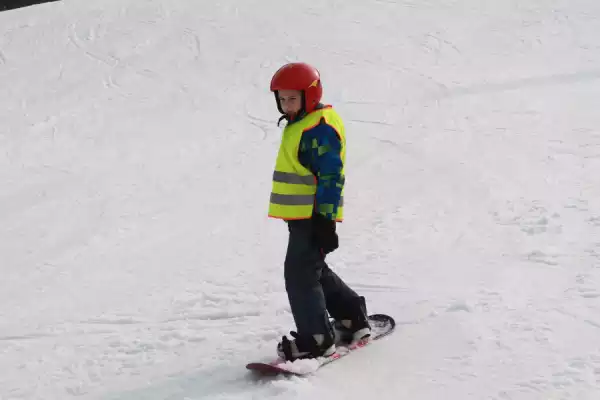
(305,346)
(355,328)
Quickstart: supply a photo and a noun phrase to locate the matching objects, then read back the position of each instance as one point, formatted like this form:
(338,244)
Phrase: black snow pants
(313,288)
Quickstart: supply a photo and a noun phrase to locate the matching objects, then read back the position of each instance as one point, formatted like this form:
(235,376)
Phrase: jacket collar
(300,116)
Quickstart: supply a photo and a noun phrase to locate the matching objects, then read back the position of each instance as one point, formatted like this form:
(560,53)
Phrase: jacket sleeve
(320,152)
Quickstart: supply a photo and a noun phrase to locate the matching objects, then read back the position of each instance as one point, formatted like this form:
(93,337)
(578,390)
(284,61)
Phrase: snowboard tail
(381,326)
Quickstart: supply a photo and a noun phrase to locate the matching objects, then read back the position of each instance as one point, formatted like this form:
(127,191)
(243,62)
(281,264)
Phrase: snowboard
(381,325)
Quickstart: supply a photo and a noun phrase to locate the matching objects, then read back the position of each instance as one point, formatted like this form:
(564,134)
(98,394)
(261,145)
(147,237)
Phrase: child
(307,193)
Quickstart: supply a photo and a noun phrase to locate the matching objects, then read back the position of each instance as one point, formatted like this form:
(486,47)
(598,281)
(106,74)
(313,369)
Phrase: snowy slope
(137,141)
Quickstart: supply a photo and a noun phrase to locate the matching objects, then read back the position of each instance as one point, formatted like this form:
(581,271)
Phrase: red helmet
(299,76)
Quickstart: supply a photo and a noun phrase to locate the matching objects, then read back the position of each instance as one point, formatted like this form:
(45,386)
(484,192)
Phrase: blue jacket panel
(320,152)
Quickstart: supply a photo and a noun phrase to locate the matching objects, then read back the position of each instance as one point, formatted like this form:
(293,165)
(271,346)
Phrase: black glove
(324,233)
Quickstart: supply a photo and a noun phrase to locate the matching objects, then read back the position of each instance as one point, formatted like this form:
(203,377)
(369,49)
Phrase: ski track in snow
(136,258)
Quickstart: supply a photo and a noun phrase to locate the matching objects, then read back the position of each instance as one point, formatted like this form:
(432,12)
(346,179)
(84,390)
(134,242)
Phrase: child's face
(291,101)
